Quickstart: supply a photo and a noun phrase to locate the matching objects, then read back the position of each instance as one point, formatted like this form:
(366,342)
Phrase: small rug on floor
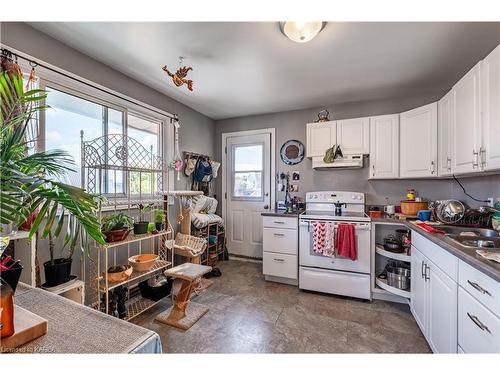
(194,312)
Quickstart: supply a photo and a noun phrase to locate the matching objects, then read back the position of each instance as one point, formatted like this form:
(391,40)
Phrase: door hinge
(225,195)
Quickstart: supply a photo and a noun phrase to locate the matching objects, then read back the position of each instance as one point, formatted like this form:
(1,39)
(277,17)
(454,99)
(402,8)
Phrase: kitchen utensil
(392,244)
(410,208)
(404,237)
(398,277)
(424,215)
(389,209)
(450,211)
(118,274)
(142,262)
(429,229)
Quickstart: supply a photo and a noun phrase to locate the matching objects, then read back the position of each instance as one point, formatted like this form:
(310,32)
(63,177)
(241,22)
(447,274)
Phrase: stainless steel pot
(449,211)
(398,277)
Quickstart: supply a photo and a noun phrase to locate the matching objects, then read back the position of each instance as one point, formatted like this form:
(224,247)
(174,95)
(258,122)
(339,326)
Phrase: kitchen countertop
(468,255)
(281,213)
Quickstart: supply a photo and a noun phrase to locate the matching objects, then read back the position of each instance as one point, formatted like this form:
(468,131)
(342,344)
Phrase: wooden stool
(184,314)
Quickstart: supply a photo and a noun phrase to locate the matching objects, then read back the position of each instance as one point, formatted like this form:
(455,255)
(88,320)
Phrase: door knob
(266,207)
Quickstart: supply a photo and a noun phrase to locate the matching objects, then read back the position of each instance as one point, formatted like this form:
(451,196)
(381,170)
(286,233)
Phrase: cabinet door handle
(478,323)
(475,161)
(373,170)
(427,277)
(478,287)
(278,260)
(422,270)
(279,222)
(432,167)
(279,234)
(448,164)
(482,152)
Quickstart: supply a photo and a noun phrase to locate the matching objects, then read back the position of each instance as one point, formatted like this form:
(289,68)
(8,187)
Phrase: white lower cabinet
(442,325)
(478,327)
(434,303)
(280,249)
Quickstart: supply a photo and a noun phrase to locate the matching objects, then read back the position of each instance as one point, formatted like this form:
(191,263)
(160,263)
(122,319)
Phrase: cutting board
(27,326)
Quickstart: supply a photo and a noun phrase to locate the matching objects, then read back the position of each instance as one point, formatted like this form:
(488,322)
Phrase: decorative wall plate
(292,152)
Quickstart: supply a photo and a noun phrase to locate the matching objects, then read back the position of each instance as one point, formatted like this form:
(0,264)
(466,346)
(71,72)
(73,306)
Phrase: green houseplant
(141,226)
(27,181)
(160,220)
(116,227)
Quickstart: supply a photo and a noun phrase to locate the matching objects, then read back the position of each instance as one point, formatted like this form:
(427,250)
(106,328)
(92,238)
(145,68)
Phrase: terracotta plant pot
(116,277)
(116,235)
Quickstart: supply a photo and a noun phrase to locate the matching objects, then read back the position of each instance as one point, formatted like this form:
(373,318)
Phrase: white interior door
(248,191)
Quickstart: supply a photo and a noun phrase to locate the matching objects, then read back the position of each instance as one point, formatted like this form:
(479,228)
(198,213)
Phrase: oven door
(307,256)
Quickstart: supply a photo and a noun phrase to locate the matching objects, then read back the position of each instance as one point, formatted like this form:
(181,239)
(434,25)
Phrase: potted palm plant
(27,183)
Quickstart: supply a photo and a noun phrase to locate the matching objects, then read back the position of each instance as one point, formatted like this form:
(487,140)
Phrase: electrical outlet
(491,202)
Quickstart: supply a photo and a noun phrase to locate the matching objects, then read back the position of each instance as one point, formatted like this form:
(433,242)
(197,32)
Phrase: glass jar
(6,309)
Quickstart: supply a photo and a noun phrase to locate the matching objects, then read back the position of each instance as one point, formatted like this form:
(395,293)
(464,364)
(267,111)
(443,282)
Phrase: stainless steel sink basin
(477,242)
(464,231)
(472,237)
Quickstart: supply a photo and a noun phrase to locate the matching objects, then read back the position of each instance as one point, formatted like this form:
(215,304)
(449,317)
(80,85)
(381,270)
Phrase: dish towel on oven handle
(345,241)
(324,238)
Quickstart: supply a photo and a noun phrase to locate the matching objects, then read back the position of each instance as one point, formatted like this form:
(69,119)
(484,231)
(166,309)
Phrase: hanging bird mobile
(179,77)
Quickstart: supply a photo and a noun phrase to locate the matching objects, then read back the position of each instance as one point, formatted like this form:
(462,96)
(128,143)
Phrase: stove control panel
(335,196)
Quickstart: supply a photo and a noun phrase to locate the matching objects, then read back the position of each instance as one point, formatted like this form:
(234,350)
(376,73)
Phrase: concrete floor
(249,315)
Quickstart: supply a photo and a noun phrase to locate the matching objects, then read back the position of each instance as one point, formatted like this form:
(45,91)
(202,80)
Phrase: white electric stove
(335,275)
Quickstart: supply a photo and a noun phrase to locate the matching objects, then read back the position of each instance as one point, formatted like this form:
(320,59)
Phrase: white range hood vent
(347,162)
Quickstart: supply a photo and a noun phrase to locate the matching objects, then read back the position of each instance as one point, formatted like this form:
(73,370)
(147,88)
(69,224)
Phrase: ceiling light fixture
(301,32)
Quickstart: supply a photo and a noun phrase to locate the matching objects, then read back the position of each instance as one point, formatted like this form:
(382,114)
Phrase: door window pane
(247,171)
(115,126)
(248,158)
(248,184)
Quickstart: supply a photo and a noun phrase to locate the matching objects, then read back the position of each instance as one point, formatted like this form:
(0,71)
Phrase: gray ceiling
(251,68)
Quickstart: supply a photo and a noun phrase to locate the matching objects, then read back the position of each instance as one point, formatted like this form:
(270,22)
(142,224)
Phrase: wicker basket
(189,246)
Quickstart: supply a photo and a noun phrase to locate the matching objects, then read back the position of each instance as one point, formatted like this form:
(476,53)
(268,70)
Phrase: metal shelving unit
(119,168)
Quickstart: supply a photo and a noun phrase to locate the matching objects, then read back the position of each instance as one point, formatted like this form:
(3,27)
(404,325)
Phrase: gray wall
(196,131)
(292,125)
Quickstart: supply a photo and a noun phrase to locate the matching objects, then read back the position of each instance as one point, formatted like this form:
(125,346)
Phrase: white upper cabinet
(418,142)
(353,135)
(384,146)
(466,129)
(490,82)
(320,137)
(445,120)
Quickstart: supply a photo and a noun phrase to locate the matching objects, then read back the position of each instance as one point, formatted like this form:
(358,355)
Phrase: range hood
(346,162)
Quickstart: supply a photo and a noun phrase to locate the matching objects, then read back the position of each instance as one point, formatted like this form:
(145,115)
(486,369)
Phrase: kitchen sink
(469,232)
(478,238)
(477,242)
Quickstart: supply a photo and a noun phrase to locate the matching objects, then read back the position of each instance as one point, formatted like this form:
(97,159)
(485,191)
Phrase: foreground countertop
(281,213)
(74,328)
(468,255)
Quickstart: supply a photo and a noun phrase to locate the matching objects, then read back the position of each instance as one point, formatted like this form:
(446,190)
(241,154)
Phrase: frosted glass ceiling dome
(301,32)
